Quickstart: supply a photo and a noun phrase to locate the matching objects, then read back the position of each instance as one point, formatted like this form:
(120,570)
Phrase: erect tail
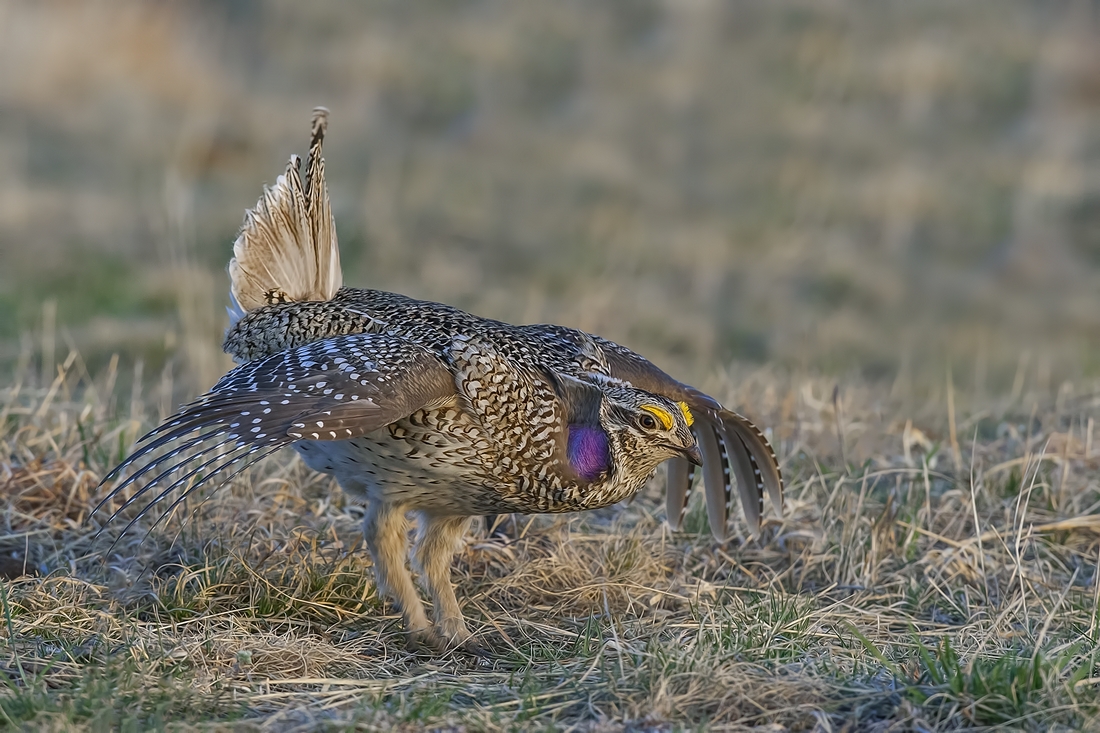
(287,248)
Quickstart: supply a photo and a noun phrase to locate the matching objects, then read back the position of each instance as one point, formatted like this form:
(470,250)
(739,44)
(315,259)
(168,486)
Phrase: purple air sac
(588,452)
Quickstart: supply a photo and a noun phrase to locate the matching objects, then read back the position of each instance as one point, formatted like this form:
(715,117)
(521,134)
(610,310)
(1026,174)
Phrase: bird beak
(693,455)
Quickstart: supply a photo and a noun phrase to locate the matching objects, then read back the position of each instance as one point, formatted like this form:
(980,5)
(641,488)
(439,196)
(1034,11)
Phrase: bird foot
(427,641)
(430,641)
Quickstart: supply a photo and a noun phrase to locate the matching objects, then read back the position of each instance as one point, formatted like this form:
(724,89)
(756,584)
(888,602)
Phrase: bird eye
(647,421)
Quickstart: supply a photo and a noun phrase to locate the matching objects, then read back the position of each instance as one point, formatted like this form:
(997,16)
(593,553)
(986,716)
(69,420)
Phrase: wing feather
(748,455)
(332,389)
(713,480)
(678,491)
(768,475)
(747,484)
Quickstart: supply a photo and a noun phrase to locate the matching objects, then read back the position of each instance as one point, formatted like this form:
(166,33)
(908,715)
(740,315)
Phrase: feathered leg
(436,544)
(386,531)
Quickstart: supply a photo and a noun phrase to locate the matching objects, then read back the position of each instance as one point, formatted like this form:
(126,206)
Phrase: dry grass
(819,187)
(924,584)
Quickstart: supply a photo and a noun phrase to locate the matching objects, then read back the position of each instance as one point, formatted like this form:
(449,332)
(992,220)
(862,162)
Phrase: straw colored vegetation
(868,189)
(936,568)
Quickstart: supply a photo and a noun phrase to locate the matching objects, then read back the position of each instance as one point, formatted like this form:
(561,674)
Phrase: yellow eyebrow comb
(661,414)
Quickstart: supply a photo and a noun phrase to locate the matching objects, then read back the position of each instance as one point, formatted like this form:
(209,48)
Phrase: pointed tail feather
(287,248)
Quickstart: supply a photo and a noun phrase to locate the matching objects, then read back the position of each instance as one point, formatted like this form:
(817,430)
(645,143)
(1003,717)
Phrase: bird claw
(475,648)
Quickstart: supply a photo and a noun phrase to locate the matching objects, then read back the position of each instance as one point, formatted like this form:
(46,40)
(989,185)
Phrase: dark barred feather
(714,481)
(765,474)
(738,457)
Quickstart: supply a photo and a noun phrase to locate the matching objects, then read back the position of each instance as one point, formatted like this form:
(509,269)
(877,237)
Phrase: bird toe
(475,648)
(427,641)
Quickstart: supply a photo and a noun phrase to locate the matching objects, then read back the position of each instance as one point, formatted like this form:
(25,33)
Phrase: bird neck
(588,451)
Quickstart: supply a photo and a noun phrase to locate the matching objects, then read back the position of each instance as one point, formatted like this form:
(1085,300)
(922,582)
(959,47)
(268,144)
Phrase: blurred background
(877,189)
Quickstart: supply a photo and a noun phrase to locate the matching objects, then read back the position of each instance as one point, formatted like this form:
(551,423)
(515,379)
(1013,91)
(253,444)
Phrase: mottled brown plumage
(422,407)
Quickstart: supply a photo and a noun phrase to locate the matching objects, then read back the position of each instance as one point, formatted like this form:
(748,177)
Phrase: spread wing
(732,448)
(333,389)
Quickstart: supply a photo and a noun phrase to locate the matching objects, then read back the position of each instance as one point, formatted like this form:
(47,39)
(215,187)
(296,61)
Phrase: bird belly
(434,460)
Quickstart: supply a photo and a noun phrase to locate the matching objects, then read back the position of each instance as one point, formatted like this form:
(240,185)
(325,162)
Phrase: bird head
(615,428)
(645,429)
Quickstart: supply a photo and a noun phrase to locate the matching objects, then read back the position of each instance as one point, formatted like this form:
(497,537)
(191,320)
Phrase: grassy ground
(936,567)
(812,210)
